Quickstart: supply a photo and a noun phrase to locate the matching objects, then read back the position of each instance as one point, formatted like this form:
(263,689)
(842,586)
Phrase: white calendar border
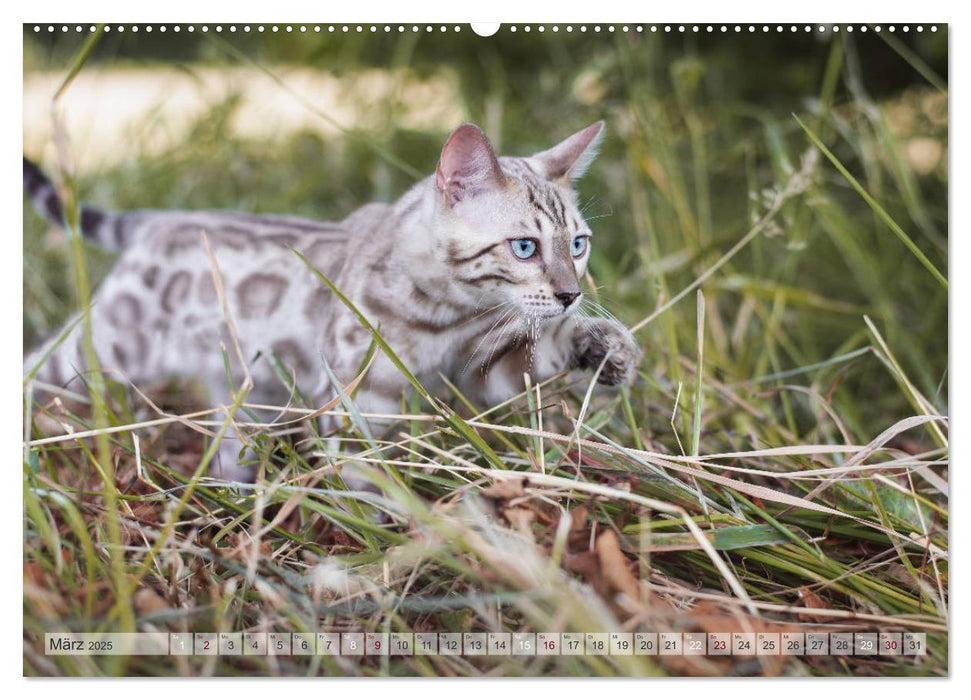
(453,12)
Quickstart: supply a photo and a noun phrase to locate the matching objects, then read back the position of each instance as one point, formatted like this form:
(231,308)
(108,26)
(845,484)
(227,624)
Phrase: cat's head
(511,228)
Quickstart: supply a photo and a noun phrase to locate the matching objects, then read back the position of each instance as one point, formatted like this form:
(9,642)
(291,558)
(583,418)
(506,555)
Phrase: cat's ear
(468,165)
(571,157)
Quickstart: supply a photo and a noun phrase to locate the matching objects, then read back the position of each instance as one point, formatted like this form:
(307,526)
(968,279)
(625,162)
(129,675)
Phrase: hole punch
(485,29)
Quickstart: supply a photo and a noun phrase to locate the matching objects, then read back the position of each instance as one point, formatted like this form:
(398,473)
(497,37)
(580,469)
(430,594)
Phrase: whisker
(499,318)
(537,333)
(588,219)
(587,205)
(487,364)
(501,324)
(601,311)
(491,308)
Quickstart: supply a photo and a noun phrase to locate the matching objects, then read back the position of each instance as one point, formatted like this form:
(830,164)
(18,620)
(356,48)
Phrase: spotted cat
(474,274)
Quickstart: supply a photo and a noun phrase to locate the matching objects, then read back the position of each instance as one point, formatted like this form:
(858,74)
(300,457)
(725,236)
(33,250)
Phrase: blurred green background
(700,132)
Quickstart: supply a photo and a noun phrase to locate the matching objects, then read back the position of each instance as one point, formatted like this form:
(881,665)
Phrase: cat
(474,274)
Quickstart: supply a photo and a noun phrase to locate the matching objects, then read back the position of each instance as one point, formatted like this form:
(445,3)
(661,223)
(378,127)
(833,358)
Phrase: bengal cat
(474,274)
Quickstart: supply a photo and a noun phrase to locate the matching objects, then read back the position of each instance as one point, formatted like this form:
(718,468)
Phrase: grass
(781,463)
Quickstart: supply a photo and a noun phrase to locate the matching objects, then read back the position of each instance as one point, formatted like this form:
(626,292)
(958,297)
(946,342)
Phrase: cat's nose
(566,298)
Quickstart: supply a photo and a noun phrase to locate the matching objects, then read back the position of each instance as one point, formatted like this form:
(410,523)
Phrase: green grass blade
(877,208)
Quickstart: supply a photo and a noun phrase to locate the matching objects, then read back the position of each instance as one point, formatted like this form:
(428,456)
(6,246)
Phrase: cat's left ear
(571,157)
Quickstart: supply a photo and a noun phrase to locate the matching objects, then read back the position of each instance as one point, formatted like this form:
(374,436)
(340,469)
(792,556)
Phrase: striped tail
(97,225)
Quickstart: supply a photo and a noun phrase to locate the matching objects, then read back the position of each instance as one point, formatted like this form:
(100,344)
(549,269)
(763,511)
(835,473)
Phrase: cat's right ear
(468,165)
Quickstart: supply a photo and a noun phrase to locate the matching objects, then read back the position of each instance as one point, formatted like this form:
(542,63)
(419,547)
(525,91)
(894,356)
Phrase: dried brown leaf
(587,565)
(506,489)
(615,567)
(813,601)
(521,519)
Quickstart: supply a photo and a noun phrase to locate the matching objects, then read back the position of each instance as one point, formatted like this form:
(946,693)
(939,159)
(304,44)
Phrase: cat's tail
(105,228)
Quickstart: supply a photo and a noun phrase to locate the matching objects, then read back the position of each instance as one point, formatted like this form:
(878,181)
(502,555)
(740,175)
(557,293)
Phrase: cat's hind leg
(357,454)
(58,360)
(377,411)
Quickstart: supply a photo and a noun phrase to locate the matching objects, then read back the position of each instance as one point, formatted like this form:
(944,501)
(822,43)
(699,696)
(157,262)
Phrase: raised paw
(596,339)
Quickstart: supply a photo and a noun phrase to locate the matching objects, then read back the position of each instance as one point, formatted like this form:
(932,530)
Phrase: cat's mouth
(549,312)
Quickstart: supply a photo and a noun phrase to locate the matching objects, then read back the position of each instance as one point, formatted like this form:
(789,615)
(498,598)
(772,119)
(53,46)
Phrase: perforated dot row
(415,28)
(723,28)
(272,28)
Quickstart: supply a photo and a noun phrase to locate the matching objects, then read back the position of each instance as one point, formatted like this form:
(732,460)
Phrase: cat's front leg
(579,342)
(570,343)
(597,341)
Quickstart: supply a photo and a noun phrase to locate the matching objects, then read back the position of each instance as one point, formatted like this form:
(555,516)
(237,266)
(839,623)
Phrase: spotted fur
(435,271)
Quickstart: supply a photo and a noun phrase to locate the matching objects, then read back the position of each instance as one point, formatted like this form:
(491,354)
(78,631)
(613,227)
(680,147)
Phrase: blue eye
(523,248)
(578,246)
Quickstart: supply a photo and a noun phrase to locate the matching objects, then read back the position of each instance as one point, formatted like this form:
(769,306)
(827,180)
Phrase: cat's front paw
(595,340)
